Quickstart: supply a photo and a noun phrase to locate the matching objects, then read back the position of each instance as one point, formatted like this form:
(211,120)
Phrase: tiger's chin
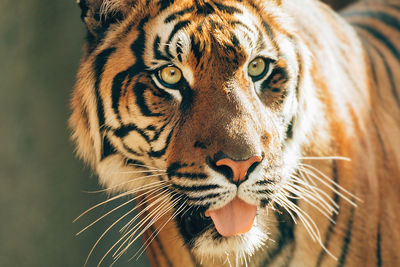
(210,245)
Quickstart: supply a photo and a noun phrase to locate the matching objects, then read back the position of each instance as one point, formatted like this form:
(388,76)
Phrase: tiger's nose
(239,168)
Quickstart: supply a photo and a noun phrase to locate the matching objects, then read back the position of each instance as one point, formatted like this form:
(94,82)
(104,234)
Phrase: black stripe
(117,89)
(195,47)
(237,22)
(107,148)
(264,192)
(135,163)
(99,65)
(334,216)
(130,150)
(289,130)
(196,188)
(228,9)
(394,6)
(160,153)
(384,17)
(265,182)
(209,196)
(378,248)
(284,78)
(388,69)
(157,53)
(139,89)
(179,26)
(269,32)
(123,131)
(178,14)
(347,239)
(381,37)
(260,40)
(164,4)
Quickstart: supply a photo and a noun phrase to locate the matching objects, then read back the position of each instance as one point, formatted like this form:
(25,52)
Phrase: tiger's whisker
(145,187)
(124,183)
(305,191)
(160,201)
(141,203)
(316,192)
(307,180)
(336,190)
(312,168)
(149,219)
(155,233)
(153,236)
(143,165)
(327,158)
(120,206)
(147,171)
(111,226)
(310,226)
(324,212)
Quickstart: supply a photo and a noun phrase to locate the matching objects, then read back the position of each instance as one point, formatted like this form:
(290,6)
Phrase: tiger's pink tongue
(236,218)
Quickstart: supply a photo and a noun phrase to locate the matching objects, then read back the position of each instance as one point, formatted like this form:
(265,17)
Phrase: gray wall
(41,184)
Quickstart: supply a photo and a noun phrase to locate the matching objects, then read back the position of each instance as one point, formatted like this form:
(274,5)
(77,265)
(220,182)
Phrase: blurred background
(42,186)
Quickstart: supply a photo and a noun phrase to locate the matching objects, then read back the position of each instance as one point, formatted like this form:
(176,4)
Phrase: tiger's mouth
(194,223)
(236,218)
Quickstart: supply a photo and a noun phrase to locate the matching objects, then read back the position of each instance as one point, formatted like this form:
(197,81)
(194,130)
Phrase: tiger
(247,132)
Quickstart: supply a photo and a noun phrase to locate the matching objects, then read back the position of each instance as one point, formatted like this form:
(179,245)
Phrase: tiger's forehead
(213,30)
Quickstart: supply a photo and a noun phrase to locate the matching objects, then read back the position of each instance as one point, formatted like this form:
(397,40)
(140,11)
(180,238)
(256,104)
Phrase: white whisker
(153,235)
(160,202)
(142,165)
(126,182)
(144,210)
(313,187)
(111,211)
(145,187)
(149,220)
(336,190)
(327,158)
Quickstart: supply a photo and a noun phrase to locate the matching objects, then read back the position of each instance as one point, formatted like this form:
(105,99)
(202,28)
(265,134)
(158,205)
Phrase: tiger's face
(199,99)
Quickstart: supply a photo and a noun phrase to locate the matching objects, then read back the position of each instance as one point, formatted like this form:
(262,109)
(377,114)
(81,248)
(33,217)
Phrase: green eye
(257,68)
(170,75)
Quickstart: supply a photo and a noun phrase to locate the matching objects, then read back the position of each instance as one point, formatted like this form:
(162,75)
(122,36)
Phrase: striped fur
(325,118)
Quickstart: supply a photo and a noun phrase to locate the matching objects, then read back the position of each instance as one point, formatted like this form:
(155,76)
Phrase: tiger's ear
(99,15)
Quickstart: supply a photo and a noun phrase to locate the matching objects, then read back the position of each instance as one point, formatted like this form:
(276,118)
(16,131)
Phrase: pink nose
(239,168)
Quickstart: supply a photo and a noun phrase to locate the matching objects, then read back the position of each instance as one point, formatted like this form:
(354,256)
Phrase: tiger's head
(200,105)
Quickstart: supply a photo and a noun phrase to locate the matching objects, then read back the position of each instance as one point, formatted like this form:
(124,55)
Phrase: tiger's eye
(257,68)
(170,75)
